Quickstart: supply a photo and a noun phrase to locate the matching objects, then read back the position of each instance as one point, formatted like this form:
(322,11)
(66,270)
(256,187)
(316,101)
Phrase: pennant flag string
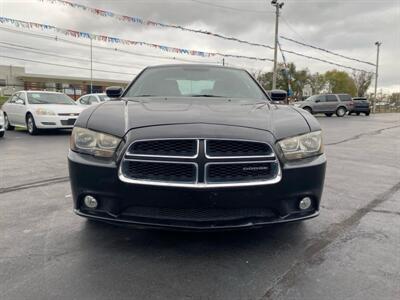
(116,40)
(137,20)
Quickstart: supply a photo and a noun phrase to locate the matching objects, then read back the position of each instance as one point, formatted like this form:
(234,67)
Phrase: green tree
(317,82)
(340,82)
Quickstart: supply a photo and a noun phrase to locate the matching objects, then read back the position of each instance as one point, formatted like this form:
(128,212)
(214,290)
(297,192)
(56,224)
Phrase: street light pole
(378,44)
(277,7)
(91,65)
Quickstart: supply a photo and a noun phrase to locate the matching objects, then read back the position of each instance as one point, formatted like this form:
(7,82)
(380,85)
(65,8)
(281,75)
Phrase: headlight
(94,143)
(45,112)
(302,146)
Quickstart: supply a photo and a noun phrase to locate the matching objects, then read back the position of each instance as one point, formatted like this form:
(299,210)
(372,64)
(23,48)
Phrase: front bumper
(54,122)
(195,209)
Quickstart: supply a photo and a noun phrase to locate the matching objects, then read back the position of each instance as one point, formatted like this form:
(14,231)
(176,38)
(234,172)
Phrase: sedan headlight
(45,112)
(302,146)
(94,143)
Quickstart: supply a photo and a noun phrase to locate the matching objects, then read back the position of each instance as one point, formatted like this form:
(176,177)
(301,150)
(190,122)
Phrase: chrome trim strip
(237,157)
(254,182)
(123,178)
(164,156)
(198,185)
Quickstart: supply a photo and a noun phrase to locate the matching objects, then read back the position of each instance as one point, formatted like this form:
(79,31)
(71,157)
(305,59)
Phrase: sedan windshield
(49,98)
(103,98)
(195,81)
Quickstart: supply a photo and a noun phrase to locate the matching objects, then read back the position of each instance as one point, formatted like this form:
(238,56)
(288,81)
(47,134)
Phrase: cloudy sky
(349,27)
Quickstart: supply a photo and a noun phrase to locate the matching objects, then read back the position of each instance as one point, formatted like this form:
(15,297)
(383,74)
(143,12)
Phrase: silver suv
(328,104)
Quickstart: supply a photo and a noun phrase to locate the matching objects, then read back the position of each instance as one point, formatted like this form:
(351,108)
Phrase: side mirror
(316,101)
(20,102)
(278,96)
(114,91)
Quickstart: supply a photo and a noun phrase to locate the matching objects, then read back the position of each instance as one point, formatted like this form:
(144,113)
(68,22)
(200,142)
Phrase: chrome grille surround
(202,161)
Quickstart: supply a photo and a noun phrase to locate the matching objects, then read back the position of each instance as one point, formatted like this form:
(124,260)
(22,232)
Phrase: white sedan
(92,99)
(36,110)
(2,129)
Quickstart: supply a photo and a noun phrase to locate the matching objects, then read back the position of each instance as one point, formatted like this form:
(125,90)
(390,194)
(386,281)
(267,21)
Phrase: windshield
(181,81)
(49,98)
(103,98)
(312,98)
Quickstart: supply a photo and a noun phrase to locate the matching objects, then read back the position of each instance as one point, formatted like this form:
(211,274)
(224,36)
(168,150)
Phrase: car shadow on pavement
(111,237)
(47,132)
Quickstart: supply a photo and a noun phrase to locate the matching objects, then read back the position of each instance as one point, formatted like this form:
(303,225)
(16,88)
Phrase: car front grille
(68,122)
(68,114)
(200,163)
(169,147)
(160,171)
(239,172)
(235,148)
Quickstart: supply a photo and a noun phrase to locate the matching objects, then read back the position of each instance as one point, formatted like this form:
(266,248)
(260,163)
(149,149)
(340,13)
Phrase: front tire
(31,125)
(358,114)
(341,111)
(1,134)
(308,109)
(367,114)
(7,124)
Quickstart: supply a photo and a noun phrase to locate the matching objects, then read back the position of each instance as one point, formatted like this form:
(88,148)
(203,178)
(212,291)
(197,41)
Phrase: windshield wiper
(208,95)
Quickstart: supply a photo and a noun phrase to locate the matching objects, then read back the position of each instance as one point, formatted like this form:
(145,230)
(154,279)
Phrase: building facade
(13,78)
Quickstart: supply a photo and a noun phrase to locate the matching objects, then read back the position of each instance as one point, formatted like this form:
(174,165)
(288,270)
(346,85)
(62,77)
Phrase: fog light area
(90,201)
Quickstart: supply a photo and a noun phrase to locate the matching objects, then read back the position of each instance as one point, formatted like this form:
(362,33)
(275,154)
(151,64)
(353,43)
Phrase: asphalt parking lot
(351,251)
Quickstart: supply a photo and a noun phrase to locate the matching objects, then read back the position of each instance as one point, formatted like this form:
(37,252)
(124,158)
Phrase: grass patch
(3,99)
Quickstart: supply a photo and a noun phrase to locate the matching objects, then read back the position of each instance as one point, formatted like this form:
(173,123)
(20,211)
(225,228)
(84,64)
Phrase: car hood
(118,117)
(59,108)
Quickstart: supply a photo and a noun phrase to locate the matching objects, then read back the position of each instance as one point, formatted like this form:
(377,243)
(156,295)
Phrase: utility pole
(278,6)
(378,44)
(91,65)
(223,61)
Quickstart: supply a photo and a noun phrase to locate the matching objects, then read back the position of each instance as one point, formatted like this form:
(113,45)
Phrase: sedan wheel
(341,111)
(308,109)
(7,125)
(30,124)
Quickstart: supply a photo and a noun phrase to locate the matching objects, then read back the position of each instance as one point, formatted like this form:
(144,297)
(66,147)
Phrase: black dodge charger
(195,147)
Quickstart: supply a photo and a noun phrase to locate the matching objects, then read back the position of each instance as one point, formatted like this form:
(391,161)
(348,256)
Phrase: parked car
(328,104)
(195,147)
(37,110)
(2,128)
(361,105)
(92,99)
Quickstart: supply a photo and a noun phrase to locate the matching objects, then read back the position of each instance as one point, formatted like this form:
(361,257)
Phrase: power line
(140,21)
(52,54)
(230,7)
(117,40)
(328,51)
(75,43)
(65,66)
(325,61)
